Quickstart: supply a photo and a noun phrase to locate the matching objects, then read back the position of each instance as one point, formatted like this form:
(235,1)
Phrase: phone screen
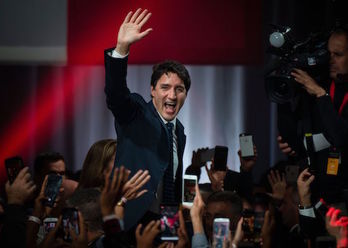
(54,182)
(220,158)
(221,229)
(13,166)
(189,189)
(248,222)
(169,222)
(70,220)
(246,145)
(49,224)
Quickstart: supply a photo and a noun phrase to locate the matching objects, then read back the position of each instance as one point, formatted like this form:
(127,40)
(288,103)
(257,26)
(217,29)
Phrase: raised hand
(131,189)
(337,227)
(247,164)
(146,238)
(112,191)
(22,189)
(308,83)
(304,181)
(216,178)
(278,184)
(130,30)
(79,240)
(196,212)
(284,147)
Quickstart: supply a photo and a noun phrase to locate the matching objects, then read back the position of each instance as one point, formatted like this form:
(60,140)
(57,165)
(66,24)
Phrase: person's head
(170,82)
(338,49)
(98,162)
(222,204)
(47,163)
(87,201)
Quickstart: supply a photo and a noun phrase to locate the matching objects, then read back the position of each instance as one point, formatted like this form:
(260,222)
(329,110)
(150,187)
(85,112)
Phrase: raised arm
(118,96)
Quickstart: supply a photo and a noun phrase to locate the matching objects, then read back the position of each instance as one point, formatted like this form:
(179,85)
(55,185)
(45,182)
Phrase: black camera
(310,55)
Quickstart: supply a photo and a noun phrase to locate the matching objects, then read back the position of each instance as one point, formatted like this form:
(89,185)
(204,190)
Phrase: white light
(277,39)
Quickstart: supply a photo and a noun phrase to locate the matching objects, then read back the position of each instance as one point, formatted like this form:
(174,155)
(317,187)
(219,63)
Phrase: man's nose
(172,94)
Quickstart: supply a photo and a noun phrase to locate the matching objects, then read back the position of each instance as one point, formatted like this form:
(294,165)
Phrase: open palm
(130,30)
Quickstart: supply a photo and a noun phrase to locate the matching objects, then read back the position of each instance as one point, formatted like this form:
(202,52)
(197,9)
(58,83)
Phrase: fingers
(146,32)
(135,15)
(82,227)
(128,17)
(181,221)
(149,226)
(141,193)
(144,20)
(115,177)
(305,173)
(137,231)
(334,217)
(22,173)
(120,179)
(42,191)
(136,176)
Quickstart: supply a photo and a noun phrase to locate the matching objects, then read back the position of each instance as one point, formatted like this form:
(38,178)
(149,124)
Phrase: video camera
(310,55)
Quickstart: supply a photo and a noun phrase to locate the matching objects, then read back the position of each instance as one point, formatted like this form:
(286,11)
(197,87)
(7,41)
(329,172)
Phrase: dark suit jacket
(142,137)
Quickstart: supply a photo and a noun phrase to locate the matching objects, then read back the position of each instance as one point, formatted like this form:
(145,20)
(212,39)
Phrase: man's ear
(152,89)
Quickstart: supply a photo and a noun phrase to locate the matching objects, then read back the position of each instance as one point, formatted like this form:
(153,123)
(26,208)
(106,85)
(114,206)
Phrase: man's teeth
(170,104)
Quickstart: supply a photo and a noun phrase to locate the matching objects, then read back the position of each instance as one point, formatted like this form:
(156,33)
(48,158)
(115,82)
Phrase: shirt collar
(165,121)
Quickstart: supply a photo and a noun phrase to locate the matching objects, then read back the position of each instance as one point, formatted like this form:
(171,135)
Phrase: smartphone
(54,182)
(189,189)
(248,222)
(221,229)
(246,145)
(220,158)
(169,222)
(13,166)
(207,155)
(70,219)
(49,224)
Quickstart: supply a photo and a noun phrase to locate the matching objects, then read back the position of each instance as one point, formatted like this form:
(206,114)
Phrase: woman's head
(99,161)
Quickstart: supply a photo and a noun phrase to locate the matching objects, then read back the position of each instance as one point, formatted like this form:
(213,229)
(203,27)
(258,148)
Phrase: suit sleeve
(118,96)
(335,125)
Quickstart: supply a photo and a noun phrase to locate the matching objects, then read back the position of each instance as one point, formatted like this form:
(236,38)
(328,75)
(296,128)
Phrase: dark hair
(87,201)
(170,66)
(340,29)
(229,197)
(44,159)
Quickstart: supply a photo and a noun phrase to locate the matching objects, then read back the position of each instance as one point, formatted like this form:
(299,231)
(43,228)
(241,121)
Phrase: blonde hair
(97,159)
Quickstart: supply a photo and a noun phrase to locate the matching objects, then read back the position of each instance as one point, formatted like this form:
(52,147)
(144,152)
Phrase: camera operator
(320,123)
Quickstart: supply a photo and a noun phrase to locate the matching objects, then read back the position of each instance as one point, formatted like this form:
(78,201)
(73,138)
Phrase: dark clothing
(13,232)
(142,137)
(319,115)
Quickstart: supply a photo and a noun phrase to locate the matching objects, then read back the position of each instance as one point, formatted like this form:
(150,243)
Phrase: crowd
(129,192)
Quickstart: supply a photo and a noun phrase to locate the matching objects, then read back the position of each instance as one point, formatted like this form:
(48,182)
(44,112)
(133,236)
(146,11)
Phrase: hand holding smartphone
(54,182)
(70,220)
(246,145)
(13,167)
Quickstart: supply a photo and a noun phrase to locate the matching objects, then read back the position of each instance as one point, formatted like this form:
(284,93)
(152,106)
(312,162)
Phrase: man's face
(169,95)
(338,48)
(57,167)
(219,210)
